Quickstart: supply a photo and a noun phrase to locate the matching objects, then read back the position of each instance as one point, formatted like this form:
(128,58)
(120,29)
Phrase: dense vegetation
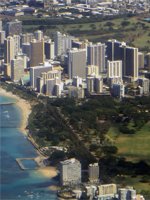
(85,128)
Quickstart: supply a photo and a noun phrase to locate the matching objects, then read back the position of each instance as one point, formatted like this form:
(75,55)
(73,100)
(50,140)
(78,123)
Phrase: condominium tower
(77,63)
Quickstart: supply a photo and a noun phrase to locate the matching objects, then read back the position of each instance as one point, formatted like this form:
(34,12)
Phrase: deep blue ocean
(16,183)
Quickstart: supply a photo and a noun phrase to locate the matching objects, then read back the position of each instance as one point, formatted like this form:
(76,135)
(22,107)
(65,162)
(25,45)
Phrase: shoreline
(25,110)
(23,106)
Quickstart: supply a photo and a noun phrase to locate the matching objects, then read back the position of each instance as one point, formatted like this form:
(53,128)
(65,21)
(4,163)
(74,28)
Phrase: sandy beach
(48,171)
(25,108)
(23,105)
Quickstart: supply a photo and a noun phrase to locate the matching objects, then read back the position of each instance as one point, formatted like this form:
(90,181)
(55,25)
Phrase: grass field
(133,147)
(135,32)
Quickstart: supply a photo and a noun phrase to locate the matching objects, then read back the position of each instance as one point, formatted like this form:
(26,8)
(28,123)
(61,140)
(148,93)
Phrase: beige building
(93,172)
(141,59)
(107,189)
(9,54)
(92,70)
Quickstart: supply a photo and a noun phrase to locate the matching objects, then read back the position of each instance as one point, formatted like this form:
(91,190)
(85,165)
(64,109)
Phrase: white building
(70,172)
(77,63)
(36,71)
(114,69)
(126,194)
(17,69)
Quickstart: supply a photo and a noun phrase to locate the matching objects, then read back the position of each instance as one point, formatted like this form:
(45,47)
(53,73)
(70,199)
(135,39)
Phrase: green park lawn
(135,32)
(133,147)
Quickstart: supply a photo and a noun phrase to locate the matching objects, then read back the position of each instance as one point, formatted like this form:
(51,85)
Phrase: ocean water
(16,183)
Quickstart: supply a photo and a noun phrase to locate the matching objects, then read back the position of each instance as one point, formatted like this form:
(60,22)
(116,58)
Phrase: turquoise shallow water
(16,183)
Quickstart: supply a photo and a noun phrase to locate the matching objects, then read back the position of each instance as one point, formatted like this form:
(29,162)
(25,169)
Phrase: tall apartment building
(37,52)
(118,90)
(38,35)
(141,60)
(126,194)
(27,38)
(13,28)
(114,69)
(131,62)
(77,63)
(9,53)
(93,171)
(2,38)
(96,56)
(17,69)
(26,49)
(147,60)
(36,71)
(1,28)
(16,44)
(113,50)
(145,84)
(129,55)
(70,172)
(94,84)
(47,81)
(62,43)
(49,50)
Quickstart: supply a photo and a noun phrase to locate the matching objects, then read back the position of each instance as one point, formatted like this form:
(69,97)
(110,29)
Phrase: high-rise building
(118,90)
(77,81)
(1,28)
(26,49)
(17,69)
(113,50)
(16,44)
(147,61)
(93,172)
(2,37)
(47,81)
(27,38)
(49,50)
(75,92)
(13,28)
(140,60)
(114,69)
(131,59)
(126,194)
(62,43)
(129,55)
(70,172)
(98,85)
(145,84)
(9,53)
(77,63)
(96,56)
(36,71)
(37,52)
(90,84)
(38,35)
